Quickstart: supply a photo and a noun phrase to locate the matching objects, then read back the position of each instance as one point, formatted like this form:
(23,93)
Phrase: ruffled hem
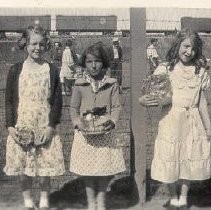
(170,171)
(172,149)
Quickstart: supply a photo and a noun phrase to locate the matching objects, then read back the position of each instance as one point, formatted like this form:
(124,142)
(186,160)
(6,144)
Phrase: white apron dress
(182,150)
(33,111)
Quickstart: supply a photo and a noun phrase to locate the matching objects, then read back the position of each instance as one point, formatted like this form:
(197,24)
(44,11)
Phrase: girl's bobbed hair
(97,50)
(37,29)
(172,56)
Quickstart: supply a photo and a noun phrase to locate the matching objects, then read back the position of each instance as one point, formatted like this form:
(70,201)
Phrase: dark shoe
(44,208)
(29,208)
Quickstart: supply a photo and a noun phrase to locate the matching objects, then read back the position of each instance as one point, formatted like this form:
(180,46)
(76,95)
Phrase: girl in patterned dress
(34,103)
(182,146)
(96,157)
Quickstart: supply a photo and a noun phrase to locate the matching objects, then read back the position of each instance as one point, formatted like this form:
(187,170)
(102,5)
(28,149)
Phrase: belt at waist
(187,108)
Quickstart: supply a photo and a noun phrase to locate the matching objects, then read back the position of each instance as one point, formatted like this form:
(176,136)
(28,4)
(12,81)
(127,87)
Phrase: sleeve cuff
(76,122)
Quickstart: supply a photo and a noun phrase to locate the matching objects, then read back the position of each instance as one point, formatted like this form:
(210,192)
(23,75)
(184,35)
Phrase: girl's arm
(203,109)
(56,101)
(120,53)
(9,99)
(167,100)
(10,108)
(75,106)
(115,103)
(148,100)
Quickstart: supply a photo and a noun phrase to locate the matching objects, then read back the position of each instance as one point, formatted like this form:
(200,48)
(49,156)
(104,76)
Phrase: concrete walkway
(156,204)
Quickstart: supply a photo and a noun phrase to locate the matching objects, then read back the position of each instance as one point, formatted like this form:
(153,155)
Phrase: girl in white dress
(182,146)
(34,103)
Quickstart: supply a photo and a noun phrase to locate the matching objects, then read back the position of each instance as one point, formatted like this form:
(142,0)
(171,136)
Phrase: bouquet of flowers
(157,85)
(26,136)
(94,120)
(29,138)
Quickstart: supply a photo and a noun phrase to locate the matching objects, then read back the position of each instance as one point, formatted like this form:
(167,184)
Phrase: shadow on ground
(198,196)
(122,194)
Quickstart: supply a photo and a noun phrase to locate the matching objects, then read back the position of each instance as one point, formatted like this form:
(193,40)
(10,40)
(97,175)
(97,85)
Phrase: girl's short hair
(37,29)
(172,56)
(97,50)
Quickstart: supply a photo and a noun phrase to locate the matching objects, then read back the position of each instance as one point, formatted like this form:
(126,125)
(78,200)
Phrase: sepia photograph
(105,106)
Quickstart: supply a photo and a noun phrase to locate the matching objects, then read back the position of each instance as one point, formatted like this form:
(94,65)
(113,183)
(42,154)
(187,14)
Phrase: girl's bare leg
(173,193)
(184,192)
(26,183)
(102,184)
(90,192)
(44,193)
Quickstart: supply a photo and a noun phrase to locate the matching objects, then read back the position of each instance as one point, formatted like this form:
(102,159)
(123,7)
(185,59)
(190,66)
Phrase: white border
(106,3)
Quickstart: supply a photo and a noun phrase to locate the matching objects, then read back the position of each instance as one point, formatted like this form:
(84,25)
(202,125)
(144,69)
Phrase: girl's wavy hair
(37,29)
(172,56)
(97,50)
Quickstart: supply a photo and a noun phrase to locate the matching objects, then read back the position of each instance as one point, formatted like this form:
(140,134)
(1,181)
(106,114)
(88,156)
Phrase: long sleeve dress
(182,149)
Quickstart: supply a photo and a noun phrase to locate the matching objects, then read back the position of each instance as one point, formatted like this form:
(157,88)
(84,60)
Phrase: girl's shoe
(44,208)
(169,206)
(30,208)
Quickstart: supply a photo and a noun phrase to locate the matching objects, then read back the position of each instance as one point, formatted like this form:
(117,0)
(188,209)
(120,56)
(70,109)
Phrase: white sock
(44,202)
(28,201)
(101,200)
(174,202)
(182,200)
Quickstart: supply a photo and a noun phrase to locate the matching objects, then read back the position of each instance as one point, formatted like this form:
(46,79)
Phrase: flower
(157,85)
(25,135)
(94,120)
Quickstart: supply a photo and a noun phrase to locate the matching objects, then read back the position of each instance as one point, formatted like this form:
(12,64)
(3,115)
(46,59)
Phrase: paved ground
(70,197)
(152,205)
(156,204)
(121,195)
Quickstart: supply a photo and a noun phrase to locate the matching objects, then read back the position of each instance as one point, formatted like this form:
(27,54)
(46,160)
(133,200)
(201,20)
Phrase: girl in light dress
(34,101)
(97,158)
(182,146)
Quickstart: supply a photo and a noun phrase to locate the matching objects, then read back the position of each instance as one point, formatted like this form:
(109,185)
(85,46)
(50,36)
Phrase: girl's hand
(166,100)
(148,100)
(109,125)
(14,134)
(81,126)
(63,88)
(47,136)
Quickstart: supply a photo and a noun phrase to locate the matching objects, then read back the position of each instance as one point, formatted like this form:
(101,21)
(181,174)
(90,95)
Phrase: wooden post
(138,72)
